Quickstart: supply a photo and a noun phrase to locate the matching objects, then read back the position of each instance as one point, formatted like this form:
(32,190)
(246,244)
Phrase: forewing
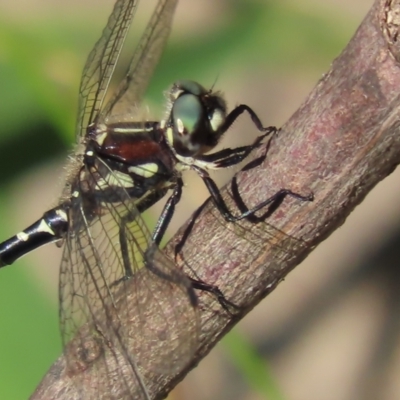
(143,62)
(101,62)
(120,333)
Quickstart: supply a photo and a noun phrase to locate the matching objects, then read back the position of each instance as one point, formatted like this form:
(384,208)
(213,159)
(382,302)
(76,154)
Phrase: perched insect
(112,271)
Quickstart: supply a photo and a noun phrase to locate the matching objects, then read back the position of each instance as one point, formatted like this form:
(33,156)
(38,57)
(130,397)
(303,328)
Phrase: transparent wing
(101,62)
(143,62)
(121,333)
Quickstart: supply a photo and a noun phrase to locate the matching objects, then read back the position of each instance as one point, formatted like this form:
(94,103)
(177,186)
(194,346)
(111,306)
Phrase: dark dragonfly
(119,294)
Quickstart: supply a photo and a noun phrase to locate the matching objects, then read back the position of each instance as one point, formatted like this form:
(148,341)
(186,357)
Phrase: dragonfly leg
(159,230)
(189,228)
(274,201)
(123,242)
(214,290)
(167,213)
(229,157)
(234,114)
(252,164)
(171,275)
(153,262)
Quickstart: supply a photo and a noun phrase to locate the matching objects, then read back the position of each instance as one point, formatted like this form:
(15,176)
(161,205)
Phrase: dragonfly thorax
(196,118)
(126,157)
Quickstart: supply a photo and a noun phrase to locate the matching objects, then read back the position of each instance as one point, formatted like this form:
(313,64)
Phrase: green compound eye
(187,112)
(196,117)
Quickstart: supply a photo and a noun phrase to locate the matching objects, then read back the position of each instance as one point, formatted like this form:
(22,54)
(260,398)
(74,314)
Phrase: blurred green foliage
(251,366)
(40,65)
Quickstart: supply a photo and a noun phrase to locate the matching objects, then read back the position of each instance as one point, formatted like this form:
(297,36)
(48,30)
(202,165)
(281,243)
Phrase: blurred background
(331,329)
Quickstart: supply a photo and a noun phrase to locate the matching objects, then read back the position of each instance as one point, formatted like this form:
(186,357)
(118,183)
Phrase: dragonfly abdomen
(51,227)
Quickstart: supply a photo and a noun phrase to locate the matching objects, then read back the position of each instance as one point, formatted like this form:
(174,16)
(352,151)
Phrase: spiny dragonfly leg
(198,283)
(153,262)
(216,196)
(167,213)
(234,114)
(273,202)
(169,274)
(214,290)
(123,242)
(229,157)
(159,231)
(189,228)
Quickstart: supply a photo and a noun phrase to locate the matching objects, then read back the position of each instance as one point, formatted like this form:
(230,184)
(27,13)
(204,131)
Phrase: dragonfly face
(128,315)
(195,120)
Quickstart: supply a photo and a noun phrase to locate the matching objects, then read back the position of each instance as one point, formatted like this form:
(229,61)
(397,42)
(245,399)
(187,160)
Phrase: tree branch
(342,141)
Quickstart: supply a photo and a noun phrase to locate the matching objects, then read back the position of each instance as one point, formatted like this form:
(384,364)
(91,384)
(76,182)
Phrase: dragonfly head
(196,119)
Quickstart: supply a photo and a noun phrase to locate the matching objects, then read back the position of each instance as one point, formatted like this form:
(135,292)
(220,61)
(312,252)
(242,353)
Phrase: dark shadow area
(23,152)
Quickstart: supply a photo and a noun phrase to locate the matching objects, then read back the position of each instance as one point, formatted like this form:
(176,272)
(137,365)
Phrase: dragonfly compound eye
(196,116)
(187,118)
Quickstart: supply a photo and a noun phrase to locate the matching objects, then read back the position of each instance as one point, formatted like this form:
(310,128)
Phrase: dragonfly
(125,307)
